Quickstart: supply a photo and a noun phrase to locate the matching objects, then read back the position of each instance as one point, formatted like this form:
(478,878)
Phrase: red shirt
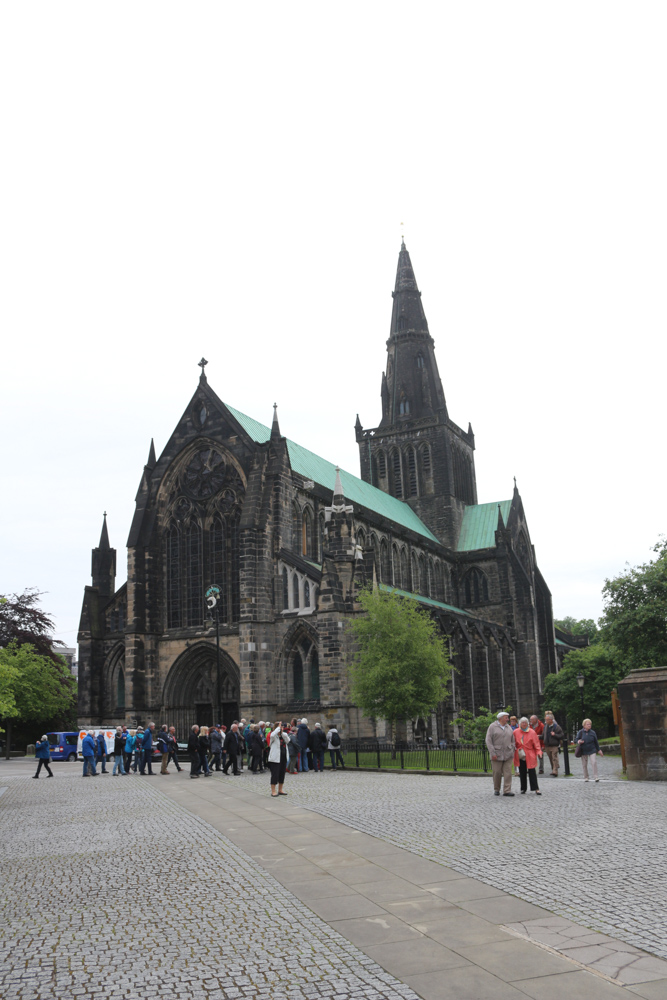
(539,730)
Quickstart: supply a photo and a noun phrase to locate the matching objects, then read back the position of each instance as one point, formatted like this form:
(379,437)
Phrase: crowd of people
(520,743)
(210,748)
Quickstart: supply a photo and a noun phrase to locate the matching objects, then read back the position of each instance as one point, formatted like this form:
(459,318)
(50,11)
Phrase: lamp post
(212,597)
(580,681)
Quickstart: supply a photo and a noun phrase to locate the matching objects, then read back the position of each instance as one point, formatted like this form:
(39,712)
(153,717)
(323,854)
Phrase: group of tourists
(265,744)
(210,748)
(522,743)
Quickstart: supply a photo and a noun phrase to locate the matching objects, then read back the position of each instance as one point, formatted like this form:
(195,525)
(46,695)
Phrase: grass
(439,760)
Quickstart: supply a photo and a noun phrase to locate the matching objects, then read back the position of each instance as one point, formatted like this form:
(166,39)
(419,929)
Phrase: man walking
(553,734)
(216,741)
(173,748)
(232,748)
(500,744)
(538,728)
(193,752)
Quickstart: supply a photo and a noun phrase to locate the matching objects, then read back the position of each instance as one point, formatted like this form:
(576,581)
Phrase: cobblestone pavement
(593,853)
(110,889)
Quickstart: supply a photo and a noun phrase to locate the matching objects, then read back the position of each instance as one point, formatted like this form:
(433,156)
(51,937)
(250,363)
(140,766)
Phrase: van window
(54,739)
(71,740)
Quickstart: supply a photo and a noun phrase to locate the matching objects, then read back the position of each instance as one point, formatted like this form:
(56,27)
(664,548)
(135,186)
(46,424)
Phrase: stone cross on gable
(202,364)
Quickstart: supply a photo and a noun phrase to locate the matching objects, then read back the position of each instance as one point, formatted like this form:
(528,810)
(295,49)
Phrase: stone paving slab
(577,851)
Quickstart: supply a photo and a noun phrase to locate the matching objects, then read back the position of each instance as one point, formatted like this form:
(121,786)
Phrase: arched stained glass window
(404,570)
(385,561)
(295,590)
(297,674)
(420,360)
(382,465)
(306,594)
(235,561)
(218,563)
(426,459)
(314,676)
(476,587)
(174,612)
(120,689)
(412,472)
(285,579)
(195,583)
(307,534)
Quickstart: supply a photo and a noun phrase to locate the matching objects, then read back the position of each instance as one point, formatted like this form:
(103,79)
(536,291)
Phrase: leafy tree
(400,669)
(602,671)
(581,626)
(635,613)
(32,686)
(475,726)
(22,620)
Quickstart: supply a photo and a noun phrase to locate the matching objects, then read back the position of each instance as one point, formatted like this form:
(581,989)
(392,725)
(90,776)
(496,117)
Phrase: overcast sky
(230,180)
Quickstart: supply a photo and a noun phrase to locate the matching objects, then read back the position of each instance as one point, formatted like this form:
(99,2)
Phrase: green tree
(33,687)
(474,727)
(581,626)
(400,669)
(635,613)
(602,671)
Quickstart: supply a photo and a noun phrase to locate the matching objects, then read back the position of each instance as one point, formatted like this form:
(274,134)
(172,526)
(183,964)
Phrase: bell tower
(417,453)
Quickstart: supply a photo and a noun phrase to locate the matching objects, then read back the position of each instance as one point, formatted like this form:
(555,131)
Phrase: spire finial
(275,427)
(202,364)
(338,488)
(104,537)
(151,455)
(402,237)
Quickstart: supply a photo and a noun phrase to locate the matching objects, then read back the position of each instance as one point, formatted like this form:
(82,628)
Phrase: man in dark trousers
(232,749)
(193,752)
(149,733)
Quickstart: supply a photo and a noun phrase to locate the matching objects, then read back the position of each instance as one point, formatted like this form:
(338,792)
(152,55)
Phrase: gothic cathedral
(247,553)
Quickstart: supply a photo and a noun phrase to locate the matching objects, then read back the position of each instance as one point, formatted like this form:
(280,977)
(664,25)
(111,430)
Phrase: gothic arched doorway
(190,691)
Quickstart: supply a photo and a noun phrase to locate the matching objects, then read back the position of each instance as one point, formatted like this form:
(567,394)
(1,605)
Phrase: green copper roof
(311,466)
(480,521)
(424,600)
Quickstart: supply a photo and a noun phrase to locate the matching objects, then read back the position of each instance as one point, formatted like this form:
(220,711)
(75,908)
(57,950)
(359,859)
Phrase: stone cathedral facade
(288,541)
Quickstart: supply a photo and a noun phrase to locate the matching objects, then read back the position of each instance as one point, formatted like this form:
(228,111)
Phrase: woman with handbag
(527,751)
(587,747)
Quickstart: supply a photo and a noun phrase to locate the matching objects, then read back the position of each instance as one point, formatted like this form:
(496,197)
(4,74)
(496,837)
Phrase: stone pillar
(643,698)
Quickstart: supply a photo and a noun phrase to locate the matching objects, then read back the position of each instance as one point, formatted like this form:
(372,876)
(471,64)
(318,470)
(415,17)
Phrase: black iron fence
(454,757)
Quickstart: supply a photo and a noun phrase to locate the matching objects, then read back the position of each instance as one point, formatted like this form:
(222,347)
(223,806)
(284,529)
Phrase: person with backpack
(333,746)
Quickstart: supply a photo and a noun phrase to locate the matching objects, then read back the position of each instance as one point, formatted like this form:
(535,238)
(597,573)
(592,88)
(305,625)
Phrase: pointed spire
(104,537)
(275,426)
(357,425)
(338,495)
(151,456)
(500,523)
(405,276)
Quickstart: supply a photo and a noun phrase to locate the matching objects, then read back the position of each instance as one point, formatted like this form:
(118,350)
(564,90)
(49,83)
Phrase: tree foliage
(473,727)
(634,621)
(602,671)
(400,669)
(34,686)
(22,620)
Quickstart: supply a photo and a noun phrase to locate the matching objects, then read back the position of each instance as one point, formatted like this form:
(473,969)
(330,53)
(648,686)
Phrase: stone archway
(190,691)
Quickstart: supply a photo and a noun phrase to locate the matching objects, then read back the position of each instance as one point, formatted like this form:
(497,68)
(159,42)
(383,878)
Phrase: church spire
(150,464)
(275,427)
(411,386)
(104,537)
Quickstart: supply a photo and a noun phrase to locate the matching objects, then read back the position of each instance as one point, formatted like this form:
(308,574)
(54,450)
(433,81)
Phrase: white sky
(229,180)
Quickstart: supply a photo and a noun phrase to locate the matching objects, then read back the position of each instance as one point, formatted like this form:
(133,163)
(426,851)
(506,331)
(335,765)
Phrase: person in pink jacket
(527,751)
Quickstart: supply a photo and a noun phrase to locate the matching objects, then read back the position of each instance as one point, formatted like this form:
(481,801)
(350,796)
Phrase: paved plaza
(139,887)
(593,853)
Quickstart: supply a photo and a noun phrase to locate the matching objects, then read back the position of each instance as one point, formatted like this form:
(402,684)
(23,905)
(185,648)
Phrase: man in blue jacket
(88,751)
(149,733)
(102,751)
(303,739)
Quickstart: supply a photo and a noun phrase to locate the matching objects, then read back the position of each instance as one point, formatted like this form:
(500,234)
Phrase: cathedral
(247,553)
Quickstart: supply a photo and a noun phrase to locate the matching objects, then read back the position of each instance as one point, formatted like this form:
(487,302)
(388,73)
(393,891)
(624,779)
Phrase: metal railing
(455,757)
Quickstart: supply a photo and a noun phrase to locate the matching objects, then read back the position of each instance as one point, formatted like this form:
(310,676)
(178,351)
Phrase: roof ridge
(304,462)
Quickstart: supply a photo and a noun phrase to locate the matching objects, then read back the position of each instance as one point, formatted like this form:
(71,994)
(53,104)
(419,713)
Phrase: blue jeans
(86,762)
(303,759)
(336,755)
(118,763)
(318,760)
(102,761)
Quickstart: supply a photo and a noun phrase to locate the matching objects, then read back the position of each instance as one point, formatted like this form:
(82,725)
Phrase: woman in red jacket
(527,751)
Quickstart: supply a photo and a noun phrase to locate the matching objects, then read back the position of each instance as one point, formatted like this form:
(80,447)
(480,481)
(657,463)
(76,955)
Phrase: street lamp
(212,597)
(580,681)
